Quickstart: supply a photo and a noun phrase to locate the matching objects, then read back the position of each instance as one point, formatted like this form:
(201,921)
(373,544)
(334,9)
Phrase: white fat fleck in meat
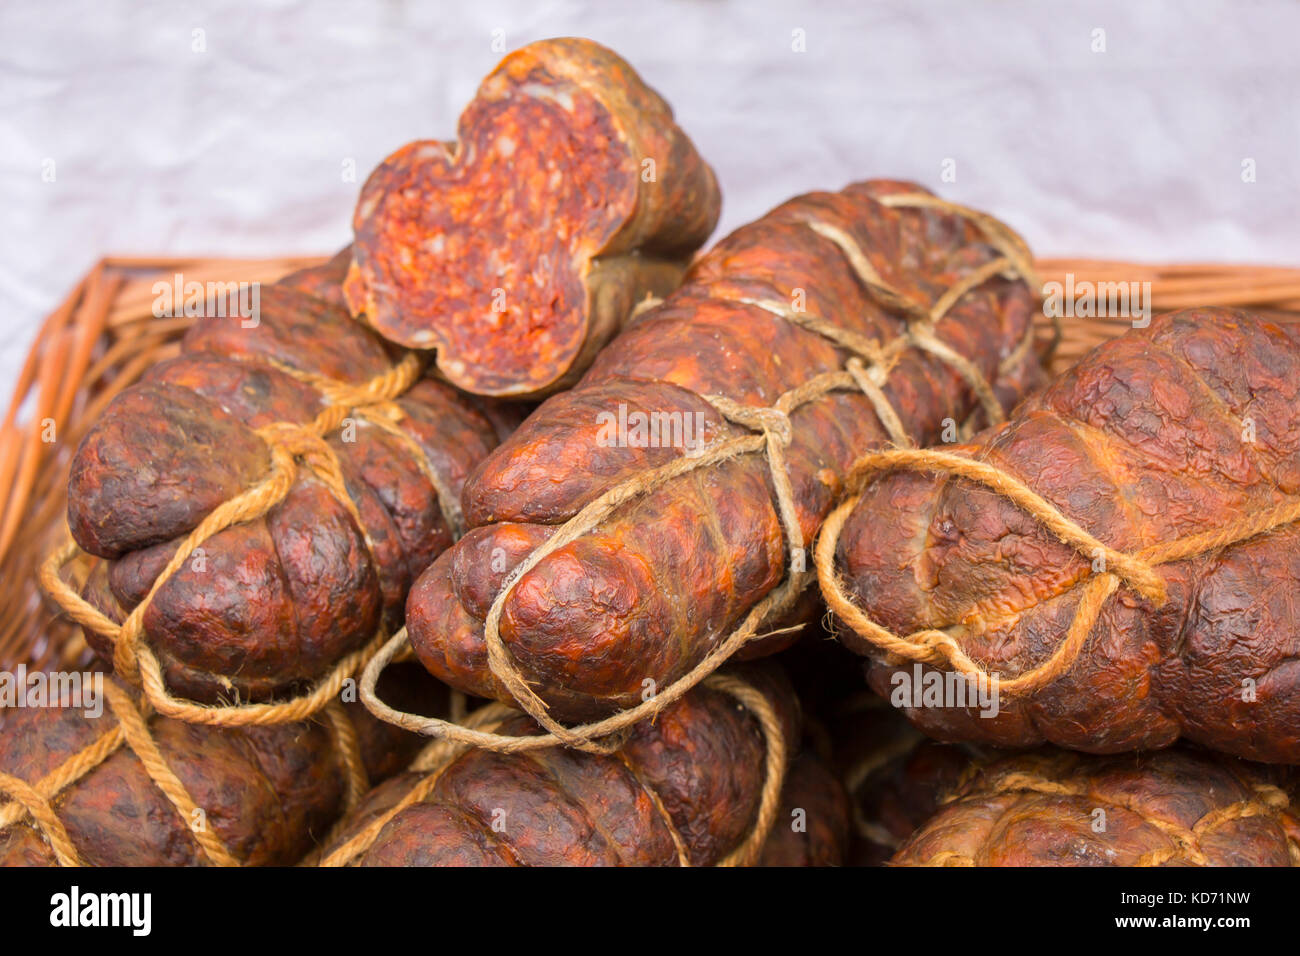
(562,96)
(436,244)
(505,146)
(541,270)
(367,207)
(497,267)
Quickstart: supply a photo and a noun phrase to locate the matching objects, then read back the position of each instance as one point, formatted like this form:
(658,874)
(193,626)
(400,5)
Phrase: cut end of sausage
(489,250)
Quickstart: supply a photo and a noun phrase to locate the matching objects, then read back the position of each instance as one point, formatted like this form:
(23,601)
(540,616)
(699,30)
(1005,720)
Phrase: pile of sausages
(575,469)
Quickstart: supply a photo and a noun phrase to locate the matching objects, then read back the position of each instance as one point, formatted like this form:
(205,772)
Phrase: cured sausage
(655,585)
(683,788)
(1170,808)
(275,600)
(812,828)
(896,778)
(267,793)
(1175,450)
(520,249)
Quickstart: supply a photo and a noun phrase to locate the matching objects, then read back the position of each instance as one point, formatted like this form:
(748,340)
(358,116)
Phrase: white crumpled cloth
(221,127)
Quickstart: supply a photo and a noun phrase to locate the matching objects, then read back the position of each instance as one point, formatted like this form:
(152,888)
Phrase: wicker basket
(105,335)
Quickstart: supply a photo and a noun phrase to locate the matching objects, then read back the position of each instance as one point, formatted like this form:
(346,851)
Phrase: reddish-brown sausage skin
(268,792)
(699,764)
(270,604)
(518,251)
(812,827)
(1063,809)
(1165,432)
(895,777)
(324,281)
(656,585)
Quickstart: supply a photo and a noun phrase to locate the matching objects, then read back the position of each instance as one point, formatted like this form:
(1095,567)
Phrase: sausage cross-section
(519,250)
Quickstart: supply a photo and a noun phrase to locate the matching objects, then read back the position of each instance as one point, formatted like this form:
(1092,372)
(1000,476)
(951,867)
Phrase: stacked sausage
(1121,556)
(266,793)
(684,789)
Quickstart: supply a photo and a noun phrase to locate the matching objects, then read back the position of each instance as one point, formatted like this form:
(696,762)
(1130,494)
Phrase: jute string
(291,447)
(131,728)
(940,648)
(1185,842)
(862,771)
(866,371)
(899,746)
(442,752)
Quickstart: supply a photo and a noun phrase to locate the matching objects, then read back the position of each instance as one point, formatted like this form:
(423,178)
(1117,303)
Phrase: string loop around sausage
(131,728)
(292,446)
(939,648)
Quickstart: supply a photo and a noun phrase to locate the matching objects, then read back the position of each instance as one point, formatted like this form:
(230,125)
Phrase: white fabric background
(1135,152)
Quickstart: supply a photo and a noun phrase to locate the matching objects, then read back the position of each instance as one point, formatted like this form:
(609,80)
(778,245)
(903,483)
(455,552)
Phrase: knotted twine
(442,752)
(291,446)
(866,371)
(938,647)
(1185,842)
